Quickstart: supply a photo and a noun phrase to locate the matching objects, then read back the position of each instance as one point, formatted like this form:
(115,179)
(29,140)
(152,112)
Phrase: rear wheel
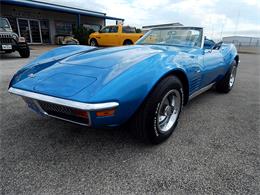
(227,83)
(128,42)
(158,116)
(93,42)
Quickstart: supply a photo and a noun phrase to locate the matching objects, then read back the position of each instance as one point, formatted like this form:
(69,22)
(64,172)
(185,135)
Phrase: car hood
(90,71)
(111,57)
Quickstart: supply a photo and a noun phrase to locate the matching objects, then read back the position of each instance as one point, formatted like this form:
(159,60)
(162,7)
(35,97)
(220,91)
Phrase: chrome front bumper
(36,97)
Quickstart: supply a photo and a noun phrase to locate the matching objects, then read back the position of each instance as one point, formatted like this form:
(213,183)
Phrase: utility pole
(237,22)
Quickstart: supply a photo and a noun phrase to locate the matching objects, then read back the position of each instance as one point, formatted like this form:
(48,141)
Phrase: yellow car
(114,36)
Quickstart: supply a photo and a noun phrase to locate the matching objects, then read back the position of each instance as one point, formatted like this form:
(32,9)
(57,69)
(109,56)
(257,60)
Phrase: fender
(48,59)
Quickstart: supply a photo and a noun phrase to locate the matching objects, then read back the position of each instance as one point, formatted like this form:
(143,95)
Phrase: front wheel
(226,84)
(93,42)
(158,116)
(25,52)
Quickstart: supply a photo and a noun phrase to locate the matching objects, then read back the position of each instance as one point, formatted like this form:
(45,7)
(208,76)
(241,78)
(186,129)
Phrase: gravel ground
(214,150)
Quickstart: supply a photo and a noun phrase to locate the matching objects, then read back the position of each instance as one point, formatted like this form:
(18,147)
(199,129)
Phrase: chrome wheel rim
(168,110)
(232,76)
(92,43)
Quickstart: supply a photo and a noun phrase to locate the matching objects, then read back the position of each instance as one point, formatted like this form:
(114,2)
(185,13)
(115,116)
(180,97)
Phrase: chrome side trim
(63,102)
(200,91)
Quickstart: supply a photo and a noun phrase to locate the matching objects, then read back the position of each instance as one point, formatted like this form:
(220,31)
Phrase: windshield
(175,36)
(4,23)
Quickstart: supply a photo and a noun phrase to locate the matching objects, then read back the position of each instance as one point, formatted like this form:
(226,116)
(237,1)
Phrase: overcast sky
(227,16)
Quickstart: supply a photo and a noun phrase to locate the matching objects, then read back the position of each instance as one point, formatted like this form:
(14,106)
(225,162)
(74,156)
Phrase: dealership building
(40,22)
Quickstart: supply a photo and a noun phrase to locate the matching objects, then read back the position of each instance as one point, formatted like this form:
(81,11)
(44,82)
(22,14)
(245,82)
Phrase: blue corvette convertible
(147,83)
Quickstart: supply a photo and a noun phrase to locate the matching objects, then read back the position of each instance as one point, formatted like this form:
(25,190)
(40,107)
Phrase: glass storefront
(45,31)
(34,31)
(94,27)
(64,28)
(23,29)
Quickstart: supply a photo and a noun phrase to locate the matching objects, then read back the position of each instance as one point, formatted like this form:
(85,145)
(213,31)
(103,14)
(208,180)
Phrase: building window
(64,28)
(94,27)
(45,31)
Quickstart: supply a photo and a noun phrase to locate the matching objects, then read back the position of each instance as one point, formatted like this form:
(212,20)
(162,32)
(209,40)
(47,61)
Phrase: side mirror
(217,45)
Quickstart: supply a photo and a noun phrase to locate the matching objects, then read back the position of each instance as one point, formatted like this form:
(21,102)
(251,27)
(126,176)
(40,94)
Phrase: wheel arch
(237,59)
(93,38)
(180,74)
(127,40)
(184,80)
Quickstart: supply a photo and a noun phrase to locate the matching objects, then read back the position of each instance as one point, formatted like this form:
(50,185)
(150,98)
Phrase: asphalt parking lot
(214,150)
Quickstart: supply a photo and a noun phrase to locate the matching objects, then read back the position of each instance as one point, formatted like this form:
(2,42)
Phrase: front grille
(63,112)
(5,36)
(6,40)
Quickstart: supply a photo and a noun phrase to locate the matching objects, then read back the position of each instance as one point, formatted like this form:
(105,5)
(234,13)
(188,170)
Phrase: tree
(82,34)
(138,30)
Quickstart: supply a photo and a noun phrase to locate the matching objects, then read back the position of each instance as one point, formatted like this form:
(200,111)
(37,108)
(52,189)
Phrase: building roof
(58,8)
(239,36)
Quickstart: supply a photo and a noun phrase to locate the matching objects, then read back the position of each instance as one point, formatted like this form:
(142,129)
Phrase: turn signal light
(101,113)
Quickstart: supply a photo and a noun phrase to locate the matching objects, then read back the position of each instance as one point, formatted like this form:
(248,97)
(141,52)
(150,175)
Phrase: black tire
(128,42)
(93,42)
(145,123)
(225,85)
(24,53)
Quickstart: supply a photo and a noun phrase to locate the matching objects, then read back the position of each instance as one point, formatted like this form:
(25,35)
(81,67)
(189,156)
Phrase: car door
(192,62)
(112,36)
(102,36)
(195,70)
(108,36)
(213,66)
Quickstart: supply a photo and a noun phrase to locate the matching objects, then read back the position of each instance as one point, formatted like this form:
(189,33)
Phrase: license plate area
(6,47)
